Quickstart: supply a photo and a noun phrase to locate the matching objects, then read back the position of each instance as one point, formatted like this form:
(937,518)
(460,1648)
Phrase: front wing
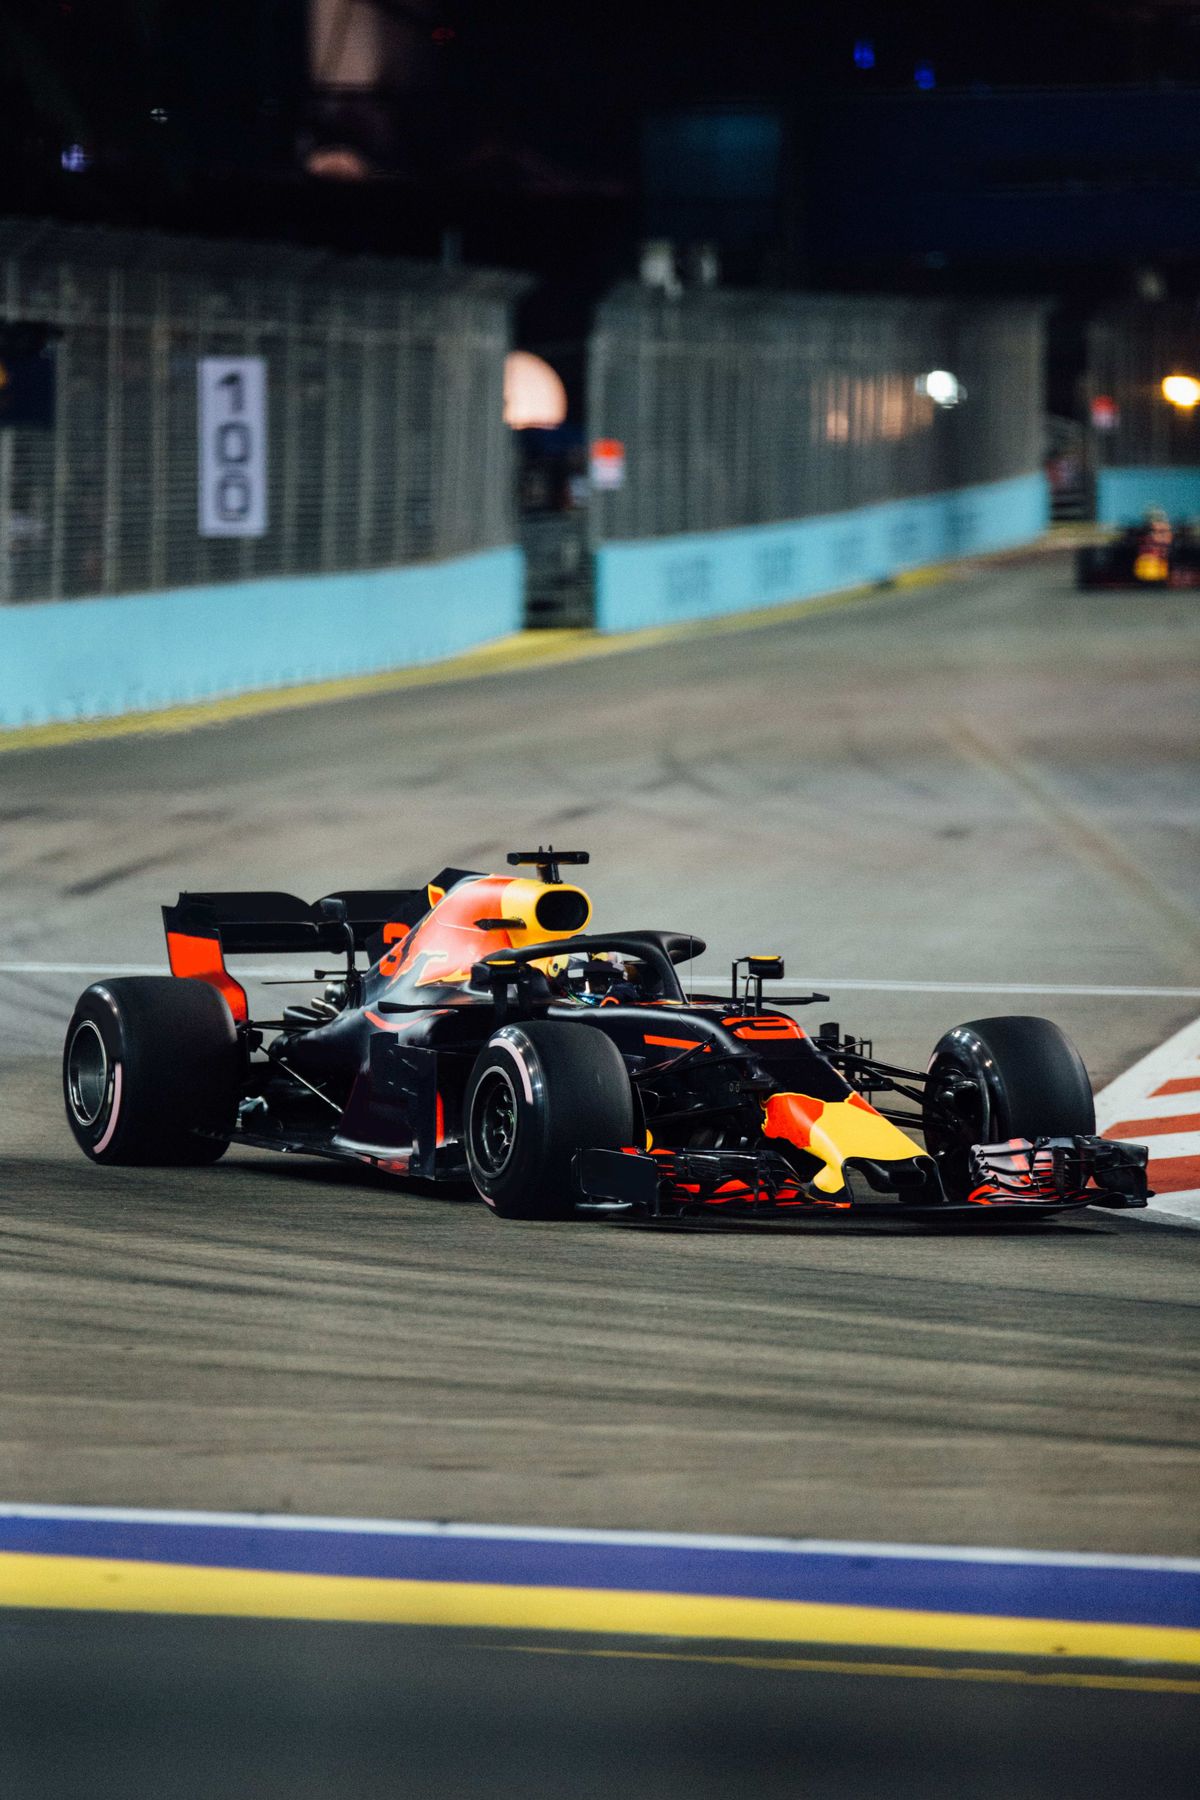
(1012,1179)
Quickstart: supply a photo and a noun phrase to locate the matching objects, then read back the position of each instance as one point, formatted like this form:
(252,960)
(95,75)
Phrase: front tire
(539,1092)
(151,1072)
(991,1079)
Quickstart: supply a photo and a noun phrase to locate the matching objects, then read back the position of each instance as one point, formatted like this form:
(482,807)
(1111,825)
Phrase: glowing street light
(1182,391)
(943,388)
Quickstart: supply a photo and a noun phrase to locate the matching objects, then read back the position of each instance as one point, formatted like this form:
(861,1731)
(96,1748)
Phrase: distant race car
(1152,553)
(494,1040)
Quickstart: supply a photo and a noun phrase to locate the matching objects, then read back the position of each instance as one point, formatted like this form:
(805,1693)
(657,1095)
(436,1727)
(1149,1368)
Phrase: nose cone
(834,1130)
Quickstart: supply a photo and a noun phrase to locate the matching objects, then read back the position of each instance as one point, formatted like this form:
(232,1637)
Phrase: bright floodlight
(533,393)
(943,388)
(1182,390)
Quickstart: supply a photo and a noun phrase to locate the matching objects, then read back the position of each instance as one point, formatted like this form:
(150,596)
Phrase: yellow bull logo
(834,1130)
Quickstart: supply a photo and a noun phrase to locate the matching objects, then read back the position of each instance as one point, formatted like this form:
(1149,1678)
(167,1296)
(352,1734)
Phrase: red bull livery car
(1152,553)
(494,1039)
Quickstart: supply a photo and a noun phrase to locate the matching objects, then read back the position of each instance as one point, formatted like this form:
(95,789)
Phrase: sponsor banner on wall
(232,411)
(608,463)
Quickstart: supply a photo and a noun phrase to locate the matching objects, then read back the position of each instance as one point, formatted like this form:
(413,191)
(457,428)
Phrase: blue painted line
(1107,1592)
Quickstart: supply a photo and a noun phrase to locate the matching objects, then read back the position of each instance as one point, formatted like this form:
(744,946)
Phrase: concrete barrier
(79,659)
(1125,494)
(657,581)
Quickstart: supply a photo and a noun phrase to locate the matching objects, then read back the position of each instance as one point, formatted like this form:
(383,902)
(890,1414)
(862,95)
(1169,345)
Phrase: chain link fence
(385,432)
(744,408)
(1131,349)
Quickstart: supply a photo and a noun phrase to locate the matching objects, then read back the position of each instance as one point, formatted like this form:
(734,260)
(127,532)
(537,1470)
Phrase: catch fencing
(742,409)
(1131,349)
(383,411)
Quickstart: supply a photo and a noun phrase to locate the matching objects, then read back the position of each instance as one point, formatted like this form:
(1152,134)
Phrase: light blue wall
(657,581)
(1123,495)
(77,659)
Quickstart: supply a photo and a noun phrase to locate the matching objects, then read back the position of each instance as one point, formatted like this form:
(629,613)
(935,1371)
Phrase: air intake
(562,909)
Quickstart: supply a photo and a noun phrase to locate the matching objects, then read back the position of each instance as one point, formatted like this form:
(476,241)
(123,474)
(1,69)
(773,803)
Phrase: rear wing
(202,928)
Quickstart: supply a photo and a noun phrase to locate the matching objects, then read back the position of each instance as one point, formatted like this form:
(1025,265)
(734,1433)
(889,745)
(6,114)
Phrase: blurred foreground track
(191,1709)
(289,1336)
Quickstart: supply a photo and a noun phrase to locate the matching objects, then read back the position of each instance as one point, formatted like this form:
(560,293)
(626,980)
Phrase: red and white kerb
(1157,1103)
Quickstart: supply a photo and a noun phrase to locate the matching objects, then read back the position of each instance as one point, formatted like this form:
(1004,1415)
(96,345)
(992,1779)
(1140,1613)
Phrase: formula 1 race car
(494,1040)
(1152,553)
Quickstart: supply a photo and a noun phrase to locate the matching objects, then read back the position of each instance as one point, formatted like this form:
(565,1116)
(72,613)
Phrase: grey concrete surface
(992,779)
(286,1336)
(989,779)
(102,1708)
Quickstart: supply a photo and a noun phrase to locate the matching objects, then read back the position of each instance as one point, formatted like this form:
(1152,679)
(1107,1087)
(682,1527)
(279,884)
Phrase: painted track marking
(616,1584)
(698,978)
(1148,1105)
(818,1665)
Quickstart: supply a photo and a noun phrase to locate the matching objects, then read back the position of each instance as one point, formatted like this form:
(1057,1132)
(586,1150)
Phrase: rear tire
(151,1072)
(992,1079)
(539,1092)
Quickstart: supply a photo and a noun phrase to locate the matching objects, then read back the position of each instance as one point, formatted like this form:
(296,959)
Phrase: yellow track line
(102,1584)
(1132,1684)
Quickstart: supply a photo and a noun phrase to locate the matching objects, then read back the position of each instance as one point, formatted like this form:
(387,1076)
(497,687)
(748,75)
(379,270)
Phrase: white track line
(708,979)
(1168,1106)
(554,1534)
(716,980)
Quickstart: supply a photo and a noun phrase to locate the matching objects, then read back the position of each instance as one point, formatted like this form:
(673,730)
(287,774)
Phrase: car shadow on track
(334,1173)
(318,1172)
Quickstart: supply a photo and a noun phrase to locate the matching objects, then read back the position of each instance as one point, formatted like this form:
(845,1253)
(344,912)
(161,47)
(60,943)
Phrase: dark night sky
(199,114)
(559,73)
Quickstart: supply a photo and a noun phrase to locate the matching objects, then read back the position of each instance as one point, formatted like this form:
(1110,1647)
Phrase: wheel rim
(88,1073)
(494,1123)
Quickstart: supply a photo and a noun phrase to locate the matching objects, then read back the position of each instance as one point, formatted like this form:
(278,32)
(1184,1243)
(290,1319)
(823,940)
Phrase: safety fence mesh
(1131,350)
(747,408)
(385,435)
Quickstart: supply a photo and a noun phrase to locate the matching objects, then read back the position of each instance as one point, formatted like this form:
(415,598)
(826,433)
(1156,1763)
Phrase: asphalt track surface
(993,779)
(203,1709)
(989,779)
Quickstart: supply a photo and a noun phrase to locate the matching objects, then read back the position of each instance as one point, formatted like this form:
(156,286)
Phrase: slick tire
(539,1092)
(993,1079)
(151,1072)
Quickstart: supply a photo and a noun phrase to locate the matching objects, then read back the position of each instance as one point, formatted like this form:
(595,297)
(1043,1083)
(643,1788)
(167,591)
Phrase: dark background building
(1045,149)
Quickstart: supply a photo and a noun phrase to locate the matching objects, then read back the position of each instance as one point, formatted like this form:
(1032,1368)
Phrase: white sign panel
(232,395)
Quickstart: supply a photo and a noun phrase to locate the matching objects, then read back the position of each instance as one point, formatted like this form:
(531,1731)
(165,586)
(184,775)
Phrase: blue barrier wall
(658,581)
(77,659)
(1123,495)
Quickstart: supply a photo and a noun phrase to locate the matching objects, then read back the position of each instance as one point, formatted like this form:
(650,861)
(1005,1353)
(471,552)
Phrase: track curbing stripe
(1143,1104)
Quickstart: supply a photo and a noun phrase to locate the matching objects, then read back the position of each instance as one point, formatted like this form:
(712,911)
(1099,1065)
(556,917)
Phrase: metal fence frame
(386,440)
